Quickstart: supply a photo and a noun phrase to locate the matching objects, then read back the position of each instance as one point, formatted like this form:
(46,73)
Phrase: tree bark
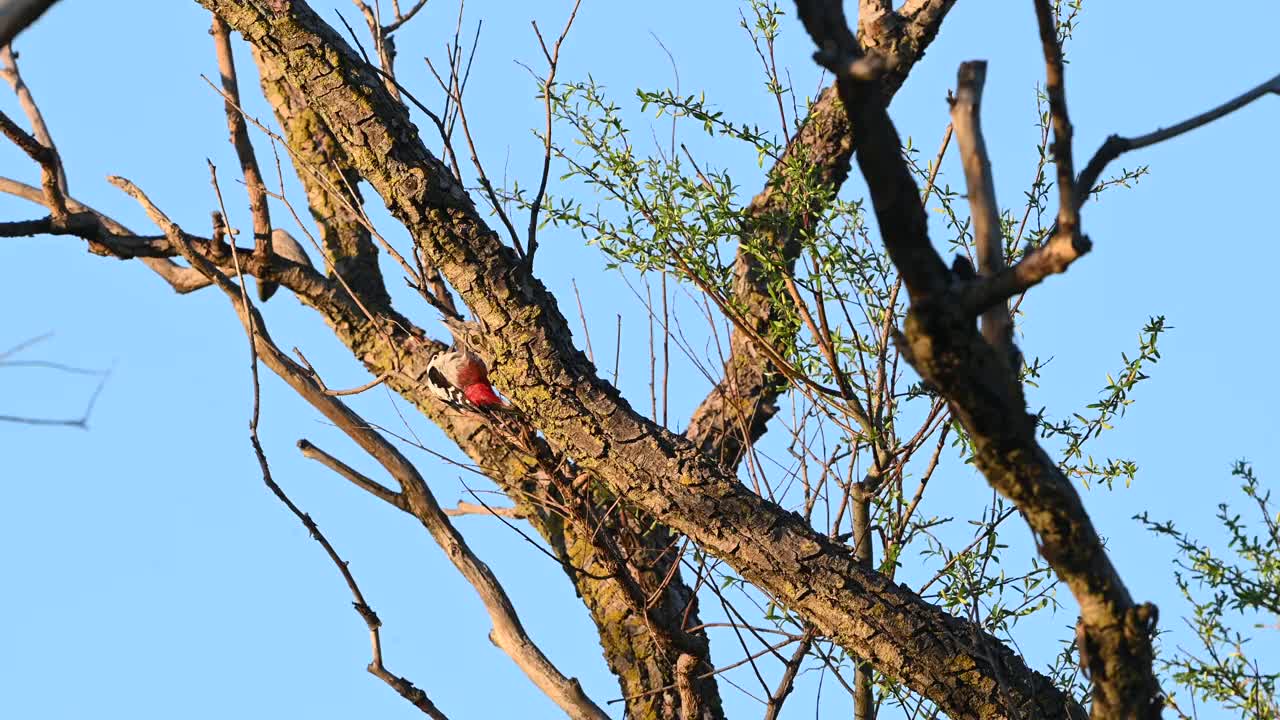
(965,671)
(641,664)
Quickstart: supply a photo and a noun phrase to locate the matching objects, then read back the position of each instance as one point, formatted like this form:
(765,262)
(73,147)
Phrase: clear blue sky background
(148,573)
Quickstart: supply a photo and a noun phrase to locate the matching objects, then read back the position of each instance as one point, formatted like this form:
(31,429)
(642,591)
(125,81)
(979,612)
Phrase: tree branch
(997,326)
(1115,146)
(9,71)
(535,364)
(736,412)
(625,635)
(244,151)
(1044,261)
(377,666)
(46,158)
(389,338)
(108,238)
(373,487)
(941,342)
(508,633)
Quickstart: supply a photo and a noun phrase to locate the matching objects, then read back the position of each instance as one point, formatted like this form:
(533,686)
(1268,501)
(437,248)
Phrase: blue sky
(151,575)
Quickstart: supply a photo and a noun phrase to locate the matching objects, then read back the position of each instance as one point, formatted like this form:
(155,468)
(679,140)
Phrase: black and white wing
(441,387)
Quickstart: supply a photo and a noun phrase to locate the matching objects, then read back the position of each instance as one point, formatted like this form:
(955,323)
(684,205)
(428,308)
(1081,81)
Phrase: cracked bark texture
(736,412)
(331,186)
(965,671)
(641,662)
(941,340)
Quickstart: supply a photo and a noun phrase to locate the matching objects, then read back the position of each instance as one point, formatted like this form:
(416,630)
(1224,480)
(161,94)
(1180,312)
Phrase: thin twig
(553,61)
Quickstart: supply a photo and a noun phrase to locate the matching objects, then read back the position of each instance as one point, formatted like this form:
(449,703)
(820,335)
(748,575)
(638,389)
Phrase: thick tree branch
(331,186)
(535,364)
(626,632)
(626,635)
(941,342)
(392,347)
(878,150)
(736,412)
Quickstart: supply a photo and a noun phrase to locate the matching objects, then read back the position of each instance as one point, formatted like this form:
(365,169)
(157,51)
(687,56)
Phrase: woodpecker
(460,378)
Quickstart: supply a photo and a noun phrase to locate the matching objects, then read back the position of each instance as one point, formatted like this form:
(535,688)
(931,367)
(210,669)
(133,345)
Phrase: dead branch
(373,487)
(1115,146)
(466,508)
(997,326)
(244,151)
(46,158)
(108,238)
(377,666)
(508,633)
(553,61)
(1052,258)
(9,71)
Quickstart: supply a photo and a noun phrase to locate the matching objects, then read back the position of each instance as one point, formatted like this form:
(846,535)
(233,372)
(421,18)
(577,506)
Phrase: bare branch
(401,19)
(46,158)
(686,685)
(508,633)
(1115,146)
(181,279)
(787,683)
(997,326)
(107,237)
(1053,258)
(376,667)
(553,61)
(466,508)
(9,71)
(1068,213)
(373,487)
(330,186)
(244,151)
